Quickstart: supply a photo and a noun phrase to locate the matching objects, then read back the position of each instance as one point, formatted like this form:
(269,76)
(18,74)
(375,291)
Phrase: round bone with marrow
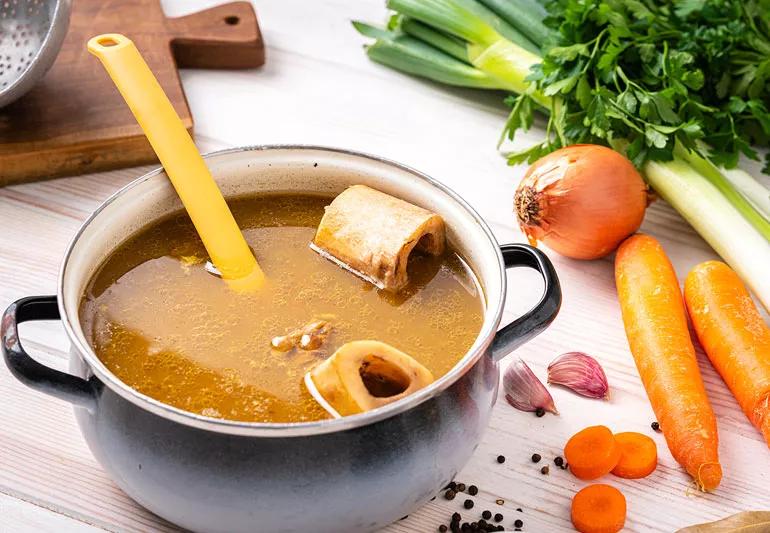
(372,234)
(364,375)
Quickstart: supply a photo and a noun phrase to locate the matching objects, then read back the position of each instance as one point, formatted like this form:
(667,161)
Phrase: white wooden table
(318,88)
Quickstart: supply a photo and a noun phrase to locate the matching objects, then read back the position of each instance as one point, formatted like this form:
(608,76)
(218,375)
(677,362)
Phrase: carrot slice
(638,455)
(592,452)
(656,326)
(734,336)
(599,509)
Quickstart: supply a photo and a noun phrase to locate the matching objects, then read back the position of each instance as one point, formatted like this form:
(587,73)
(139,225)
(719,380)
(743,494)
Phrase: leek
(751,189)
(413,56)
(525,15)
(446,43)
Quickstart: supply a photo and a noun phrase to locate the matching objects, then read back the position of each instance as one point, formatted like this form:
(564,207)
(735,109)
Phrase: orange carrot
(592,452)
(656,326)
(734,336)
(599,509)
(638,455)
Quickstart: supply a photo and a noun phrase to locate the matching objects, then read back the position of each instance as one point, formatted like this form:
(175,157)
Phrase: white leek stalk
(716,220)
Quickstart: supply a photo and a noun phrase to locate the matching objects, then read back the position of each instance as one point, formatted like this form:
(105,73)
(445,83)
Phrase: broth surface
(177,333)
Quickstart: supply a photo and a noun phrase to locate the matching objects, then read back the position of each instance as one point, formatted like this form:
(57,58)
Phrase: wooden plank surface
(317,87)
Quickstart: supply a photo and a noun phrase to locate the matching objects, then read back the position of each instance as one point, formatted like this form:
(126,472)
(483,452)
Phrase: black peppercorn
(539,412)
(474,526)
(486,515)
(498,517)
(483,524)
(558,461)
(518,523)
(545,470)
(655,426)
(461,487)
(473,490)
(450,494)
(565,465)
(468,504)
(456,517)
(442,528)
(501,459)
(536,457)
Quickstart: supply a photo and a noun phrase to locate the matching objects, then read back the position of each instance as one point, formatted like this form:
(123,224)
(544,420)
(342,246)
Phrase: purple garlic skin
(524,390)
(580,373)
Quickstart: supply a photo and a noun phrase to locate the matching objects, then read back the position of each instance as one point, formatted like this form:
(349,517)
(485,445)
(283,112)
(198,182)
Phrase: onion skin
(581,201)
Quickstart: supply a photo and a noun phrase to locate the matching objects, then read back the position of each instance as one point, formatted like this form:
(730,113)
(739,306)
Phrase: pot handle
(531,324)
(33,374)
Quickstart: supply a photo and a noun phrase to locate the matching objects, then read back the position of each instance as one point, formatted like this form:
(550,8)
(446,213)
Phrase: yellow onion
(582,201)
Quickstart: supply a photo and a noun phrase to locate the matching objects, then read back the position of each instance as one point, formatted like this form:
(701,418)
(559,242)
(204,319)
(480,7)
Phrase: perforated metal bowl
(31,34)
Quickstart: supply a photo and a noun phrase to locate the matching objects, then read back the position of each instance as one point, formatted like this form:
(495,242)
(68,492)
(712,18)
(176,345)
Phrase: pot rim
(492,317)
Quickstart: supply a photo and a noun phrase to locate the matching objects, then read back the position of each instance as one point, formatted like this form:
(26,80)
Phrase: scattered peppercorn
(545,470)
(456,517)
(539,412)
(483,525)
(474,526)
(473,490)
(461,487)
(536,457)
(564,466)
(518,523)
(442,528)
(486,515)
(558,461)
(468,504)
(452,485)
(655,426)
(499,517)
(450,494)
(501,459)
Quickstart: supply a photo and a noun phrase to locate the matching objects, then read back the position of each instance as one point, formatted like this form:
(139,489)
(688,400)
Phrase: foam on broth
(178,334)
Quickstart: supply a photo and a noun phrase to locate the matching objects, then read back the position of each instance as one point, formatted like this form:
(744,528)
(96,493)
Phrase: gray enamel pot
(352,474)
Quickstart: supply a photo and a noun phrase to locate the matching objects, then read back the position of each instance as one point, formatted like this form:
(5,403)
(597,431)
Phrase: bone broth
(170,329)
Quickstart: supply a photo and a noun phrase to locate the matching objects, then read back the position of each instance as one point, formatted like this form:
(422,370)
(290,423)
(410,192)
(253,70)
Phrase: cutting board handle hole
(108,41)
(232,20)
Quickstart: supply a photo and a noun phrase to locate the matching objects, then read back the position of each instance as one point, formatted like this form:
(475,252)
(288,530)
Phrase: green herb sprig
(655,74)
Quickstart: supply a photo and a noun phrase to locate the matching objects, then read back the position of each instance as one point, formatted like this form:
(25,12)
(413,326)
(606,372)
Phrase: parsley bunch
(655,75)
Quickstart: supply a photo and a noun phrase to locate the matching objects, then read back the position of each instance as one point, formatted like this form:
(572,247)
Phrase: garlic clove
(524,390)
(580,373)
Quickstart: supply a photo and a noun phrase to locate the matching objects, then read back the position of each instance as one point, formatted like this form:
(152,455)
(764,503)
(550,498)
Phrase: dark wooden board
(74,121)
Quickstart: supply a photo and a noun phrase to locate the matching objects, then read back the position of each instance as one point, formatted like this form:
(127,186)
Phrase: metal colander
(31,34)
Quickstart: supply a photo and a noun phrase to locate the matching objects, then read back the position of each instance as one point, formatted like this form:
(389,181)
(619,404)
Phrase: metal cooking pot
(353,474)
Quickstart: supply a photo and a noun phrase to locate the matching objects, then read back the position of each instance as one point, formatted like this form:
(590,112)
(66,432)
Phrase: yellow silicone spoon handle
(185,167)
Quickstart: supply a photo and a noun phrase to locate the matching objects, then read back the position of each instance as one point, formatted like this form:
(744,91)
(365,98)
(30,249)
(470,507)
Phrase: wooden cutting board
(74,121)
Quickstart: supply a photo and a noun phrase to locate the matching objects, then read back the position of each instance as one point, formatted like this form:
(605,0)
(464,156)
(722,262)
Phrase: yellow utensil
(180,158)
